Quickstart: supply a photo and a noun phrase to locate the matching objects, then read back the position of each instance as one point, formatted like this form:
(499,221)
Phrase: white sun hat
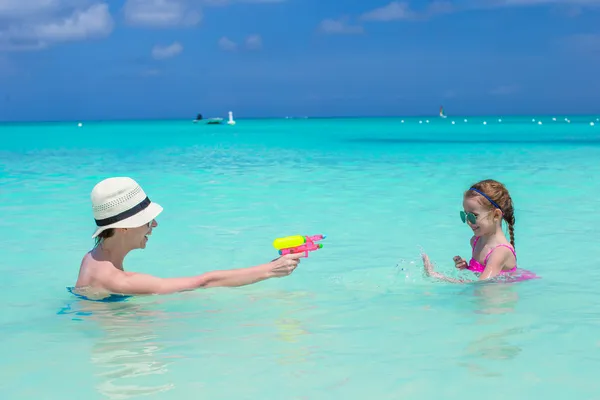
(120,202)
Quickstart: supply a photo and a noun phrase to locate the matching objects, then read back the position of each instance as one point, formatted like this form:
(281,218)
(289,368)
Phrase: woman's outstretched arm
(117,281)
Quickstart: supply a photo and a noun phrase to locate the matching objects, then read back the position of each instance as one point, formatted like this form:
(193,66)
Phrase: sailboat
(442,112)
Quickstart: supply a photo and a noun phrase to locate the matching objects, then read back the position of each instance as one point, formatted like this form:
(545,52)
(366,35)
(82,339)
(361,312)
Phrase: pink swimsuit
(475,266)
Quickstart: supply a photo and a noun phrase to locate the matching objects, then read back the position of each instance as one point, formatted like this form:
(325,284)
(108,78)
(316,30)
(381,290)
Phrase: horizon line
(302,117)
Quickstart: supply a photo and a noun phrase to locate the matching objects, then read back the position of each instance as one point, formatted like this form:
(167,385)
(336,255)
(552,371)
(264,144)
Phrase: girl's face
(480,219)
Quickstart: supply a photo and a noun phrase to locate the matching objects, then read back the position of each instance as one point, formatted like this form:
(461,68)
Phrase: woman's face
(136,238)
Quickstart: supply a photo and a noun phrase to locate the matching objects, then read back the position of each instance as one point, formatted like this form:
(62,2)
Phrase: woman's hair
(499,194)
(104,235)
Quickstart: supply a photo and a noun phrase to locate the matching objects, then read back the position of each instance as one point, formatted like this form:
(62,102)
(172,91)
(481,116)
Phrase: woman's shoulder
(87,257)
(91,260)
(86,262)
(90,268)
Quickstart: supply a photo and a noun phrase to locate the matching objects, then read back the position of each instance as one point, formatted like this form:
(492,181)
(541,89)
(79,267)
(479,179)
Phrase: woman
(125,217)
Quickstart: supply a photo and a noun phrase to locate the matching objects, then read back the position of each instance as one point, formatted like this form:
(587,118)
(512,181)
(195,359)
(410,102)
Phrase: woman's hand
(284,265)
(460,262)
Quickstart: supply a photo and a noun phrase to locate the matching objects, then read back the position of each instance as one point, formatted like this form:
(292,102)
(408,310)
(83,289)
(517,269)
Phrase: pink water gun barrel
(298,244)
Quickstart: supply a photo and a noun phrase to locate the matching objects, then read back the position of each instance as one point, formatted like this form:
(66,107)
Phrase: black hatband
(125,214)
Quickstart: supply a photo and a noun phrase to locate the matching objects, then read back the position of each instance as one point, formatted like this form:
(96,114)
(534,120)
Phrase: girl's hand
(427,265)
(460,262)
(430,272)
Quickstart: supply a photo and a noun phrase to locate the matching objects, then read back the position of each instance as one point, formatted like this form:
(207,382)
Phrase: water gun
(298,244)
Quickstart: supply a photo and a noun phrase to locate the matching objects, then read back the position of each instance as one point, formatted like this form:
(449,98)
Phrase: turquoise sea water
(357,319)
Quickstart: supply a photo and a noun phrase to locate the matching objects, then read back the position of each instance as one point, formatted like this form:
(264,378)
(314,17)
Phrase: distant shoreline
(431,117)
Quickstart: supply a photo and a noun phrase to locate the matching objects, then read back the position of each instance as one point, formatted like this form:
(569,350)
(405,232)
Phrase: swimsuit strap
(500,245)
(474,244)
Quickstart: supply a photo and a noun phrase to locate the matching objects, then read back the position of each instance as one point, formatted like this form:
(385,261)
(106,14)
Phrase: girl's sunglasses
(472,218)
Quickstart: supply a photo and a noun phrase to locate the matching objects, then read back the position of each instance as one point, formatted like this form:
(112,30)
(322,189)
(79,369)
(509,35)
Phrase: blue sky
(94,59)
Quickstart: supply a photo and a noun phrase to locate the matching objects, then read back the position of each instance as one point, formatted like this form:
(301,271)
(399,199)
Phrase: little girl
(486,204)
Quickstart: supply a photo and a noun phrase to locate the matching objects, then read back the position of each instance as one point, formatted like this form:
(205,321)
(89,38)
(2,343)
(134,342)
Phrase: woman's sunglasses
(472,218)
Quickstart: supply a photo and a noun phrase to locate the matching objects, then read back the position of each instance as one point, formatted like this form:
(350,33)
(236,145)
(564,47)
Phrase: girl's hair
(104,235)
(498,193)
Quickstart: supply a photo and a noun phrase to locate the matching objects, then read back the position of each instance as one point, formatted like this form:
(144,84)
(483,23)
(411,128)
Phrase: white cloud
(161,52)
(254,42)
(20,8)
(227,44)
(229,2)
(161,13)
(401,10)
(568,7)
(93,22)
(540,2)
(170,13)
(396,10)
(339,27)
(29,28)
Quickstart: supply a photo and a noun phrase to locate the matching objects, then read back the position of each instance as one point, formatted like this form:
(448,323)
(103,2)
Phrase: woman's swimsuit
(475,266)
(67,309)
(110,299)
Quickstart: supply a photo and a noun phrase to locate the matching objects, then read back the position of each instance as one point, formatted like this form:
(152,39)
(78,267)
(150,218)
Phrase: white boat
(214,121)
(209,121)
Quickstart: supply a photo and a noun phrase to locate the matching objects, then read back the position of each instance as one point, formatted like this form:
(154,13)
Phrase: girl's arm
(460,262)
(430,272)
(498,259)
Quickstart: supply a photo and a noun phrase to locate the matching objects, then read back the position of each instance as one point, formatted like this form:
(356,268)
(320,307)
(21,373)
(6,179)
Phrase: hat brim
(135,221)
